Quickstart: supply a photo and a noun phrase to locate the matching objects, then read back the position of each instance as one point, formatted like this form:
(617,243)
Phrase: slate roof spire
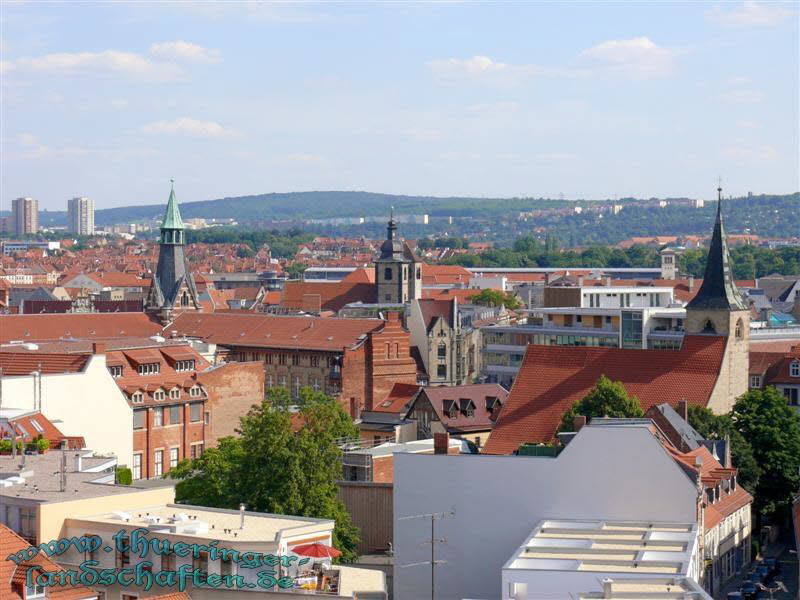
(718,290)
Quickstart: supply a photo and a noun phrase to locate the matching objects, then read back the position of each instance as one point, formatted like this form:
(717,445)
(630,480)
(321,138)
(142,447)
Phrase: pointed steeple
(172,216)
(391,226)
(718,290)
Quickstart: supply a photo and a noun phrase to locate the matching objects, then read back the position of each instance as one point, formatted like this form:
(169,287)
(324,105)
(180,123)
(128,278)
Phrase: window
(295,387)
(387,273)
(195,412)
(314,360)
(94,554)
(792,395)
(196,450)
(149,369)
(755,381)
(174,415)
(315,384)
(207,418)
(36,425)
(173,457)
(158,395)
(295,359)
(441,371)
(168,562)
(281,359)
(35,591)
(123,557)
(158,417)
(270,381)
(158,461)
(137,397)
(442,351)
(27,522)
(225,567)
(739,329)
(195,391)
(419,273)
(138,419)
(282,381)
(184,299)
(794,369)
(709,327)
(174,393)
(115,370)
(268,358)
(137,466)
(184,365)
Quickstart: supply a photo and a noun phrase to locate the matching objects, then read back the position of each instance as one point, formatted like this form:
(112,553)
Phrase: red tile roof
(24,363)
(313,296)
(268,331)
(12,576)
(32,328)
(479,395)
(398,399)
(552,378)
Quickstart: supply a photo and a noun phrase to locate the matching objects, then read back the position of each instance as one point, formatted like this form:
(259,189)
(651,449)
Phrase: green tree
(772,428)
(489,297)
(718,427)
(271,468)
(295,270)
(606,399)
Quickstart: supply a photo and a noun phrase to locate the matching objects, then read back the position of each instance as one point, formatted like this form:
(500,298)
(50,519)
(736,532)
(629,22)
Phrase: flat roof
(412,447)
(204,522)
(39,478)
(601,546)
(563,269)
(678,588)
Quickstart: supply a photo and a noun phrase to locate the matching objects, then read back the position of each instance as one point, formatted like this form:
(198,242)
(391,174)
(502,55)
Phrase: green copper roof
(172,216)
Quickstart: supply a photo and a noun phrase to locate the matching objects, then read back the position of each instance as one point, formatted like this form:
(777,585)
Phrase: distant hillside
(482,218)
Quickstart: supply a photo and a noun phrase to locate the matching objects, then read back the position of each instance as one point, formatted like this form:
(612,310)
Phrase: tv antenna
(433,562)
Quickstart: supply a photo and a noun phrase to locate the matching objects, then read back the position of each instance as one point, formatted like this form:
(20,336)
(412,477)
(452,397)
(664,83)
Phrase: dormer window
(115,370)
(174,394)
(794,369)
(149,369)
(137,397)
(198,391)
(34,591)
(184,365)
(158,395)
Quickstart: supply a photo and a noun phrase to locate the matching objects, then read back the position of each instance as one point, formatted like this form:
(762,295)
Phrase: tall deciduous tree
(272,468)
(606,399)
(773,429)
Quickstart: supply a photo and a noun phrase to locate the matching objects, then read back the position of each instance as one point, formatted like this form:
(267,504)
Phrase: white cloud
(503,107)
(751,14)
(742,96)
(637,57)
(307,159)
(186,52)
(32,148)
(420,134)
(107,62)
(190,127)
(748,154)
(479,68)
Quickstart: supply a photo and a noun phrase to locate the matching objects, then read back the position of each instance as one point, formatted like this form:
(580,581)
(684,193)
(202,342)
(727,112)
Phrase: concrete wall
(371,508)
(88,404)
(605,472)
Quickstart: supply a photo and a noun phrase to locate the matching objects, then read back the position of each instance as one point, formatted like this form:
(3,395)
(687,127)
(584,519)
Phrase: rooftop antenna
(433,541)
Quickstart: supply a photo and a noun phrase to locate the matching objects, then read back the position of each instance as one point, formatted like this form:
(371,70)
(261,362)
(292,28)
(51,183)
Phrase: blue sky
(589,100)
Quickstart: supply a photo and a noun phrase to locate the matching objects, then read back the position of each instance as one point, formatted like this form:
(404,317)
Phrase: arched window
(709,327)
(185,299)
(739,329)
(387,273)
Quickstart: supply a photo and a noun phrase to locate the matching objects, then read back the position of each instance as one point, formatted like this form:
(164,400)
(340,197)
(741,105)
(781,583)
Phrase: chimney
(441,443)
(683,410)
(78,462)
(578,422)
(241,516)
(691,283)
(607,591)
(607,280)
(547,278)
(98,347)
(580,280)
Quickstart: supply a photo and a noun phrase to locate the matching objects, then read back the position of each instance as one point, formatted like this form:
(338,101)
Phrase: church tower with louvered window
(718,309)
(173,289)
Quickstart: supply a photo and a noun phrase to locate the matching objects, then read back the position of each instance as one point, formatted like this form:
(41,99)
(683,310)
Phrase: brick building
(355,360)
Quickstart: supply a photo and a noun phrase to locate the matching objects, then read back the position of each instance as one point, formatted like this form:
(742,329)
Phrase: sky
(580,99)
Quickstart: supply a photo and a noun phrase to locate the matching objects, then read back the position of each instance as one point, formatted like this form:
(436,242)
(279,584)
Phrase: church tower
(718,309)
(173,289)
(398,275)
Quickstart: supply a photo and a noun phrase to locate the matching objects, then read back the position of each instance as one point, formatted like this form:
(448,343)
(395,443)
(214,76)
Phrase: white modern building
(80,215)
(490,504)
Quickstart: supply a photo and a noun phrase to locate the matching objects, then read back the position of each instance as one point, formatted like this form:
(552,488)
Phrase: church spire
(718,290)
(172,216)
